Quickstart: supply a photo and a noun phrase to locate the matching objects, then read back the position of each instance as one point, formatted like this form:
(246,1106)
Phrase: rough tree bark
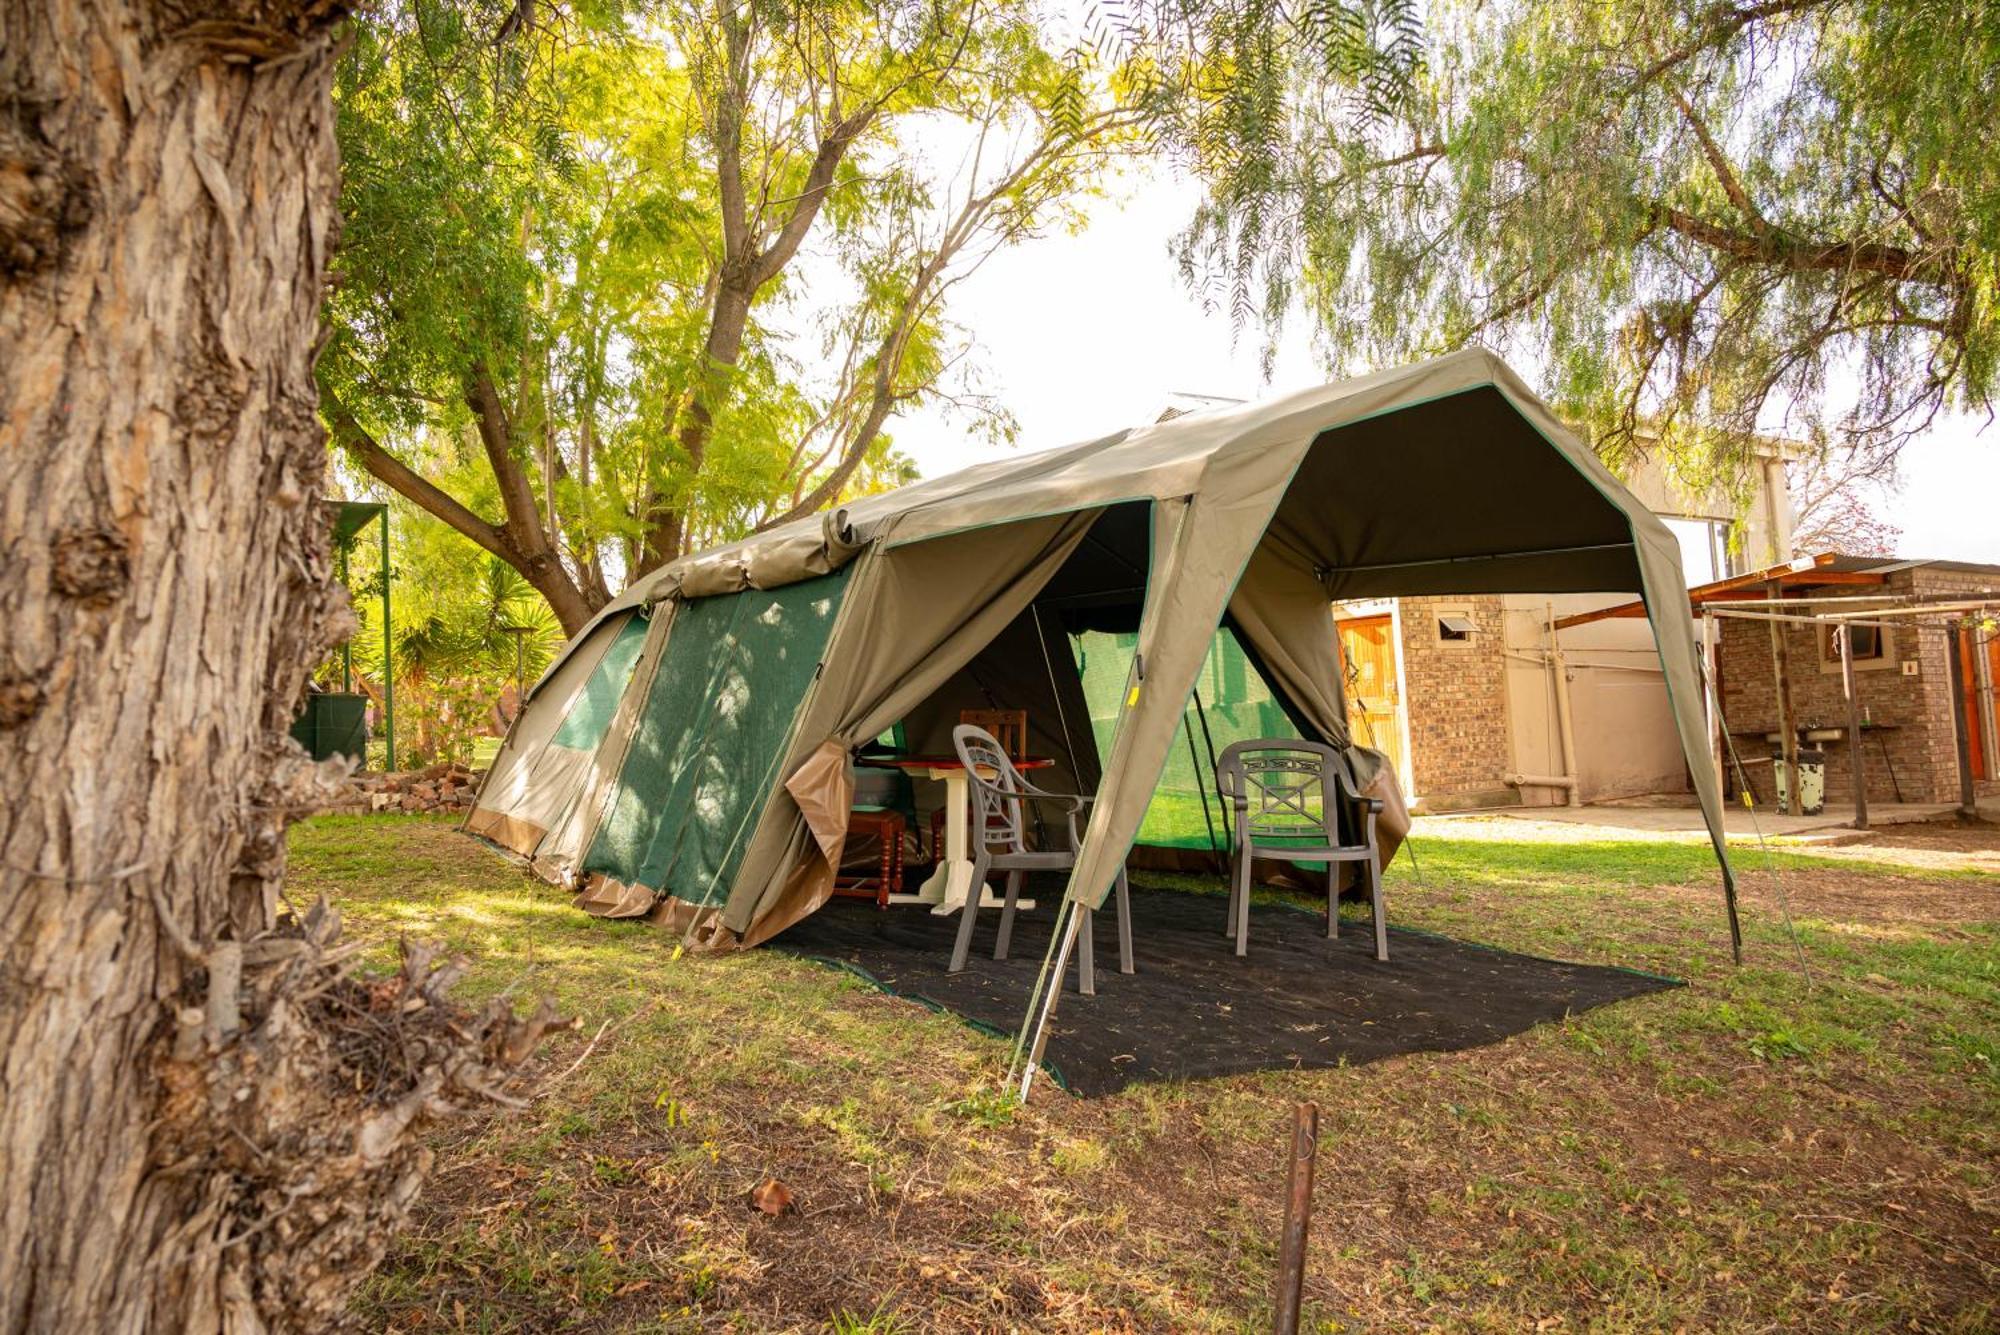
(178,1150)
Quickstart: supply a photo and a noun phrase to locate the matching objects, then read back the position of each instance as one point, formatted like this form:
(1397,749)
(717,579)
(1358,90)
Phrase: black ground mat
(1195,1009)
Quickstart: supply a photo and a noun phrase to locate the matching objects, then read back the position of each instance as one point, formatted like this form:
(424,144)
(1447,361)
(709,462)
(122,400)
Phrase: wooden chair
(876,883)
(1000,805)
(1299,789)
(1009,727)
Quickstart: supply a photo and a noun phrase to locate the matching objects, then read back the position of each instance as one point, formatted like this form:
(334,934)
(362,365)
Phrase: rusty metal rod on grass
(1298,1212)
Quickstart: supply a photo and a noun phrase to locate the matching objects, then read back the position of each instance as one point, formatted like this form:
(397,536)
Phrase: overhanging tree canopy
(1704,220)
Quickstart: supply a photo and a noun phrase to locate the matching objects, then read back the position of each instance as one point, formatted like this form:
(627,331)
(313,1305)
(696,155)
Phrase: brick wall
(1456,696)
(1936,583)
(1913,758)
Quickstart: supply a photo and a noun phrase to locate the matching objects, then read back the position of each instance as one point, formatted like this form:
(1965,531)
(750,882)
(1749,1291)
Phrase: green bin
(333,723)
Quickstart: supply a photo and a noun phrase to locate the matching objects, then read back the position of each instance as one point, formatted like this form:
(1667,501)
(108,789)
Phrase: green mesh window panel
(714,726)
(590,717)
(1230,697)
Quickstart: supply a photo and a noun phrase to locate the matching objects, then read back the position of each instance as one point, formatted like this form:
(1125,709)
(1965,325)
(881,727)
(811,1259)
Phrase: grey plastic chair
(1279,789)
(1000,799)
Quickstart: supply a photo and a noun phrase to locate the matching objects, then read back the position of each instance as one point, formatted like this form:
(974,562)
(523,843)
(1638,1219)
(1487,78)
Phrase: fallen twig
(605,1028)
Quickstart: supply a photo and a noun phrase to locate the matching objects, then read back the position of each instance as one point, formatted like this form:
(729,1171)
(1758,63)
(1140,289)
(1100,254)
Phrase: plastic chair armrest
(1372,805)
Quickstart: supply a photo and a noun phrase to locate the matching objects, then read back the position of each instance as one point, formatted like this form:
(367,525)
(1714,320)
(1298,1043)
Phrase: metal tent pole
(1208,745)
(1711,657)
(1719,729)
(388,653)
(1053,988)
(1201,789)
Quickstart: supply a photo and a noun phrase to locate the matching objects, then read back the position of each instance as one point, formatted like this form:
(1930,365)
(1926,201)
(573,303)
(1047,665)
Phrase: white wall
(1624,725)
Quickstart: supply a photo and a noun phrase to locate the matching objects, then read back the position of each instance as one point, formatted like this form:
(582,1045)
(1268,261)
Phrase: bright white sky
(1081,335)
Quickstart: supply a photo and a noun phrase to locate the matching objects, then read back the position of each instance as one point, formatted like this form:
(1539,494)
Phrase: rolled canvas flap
(824,792)
(1375,777)
(808,886)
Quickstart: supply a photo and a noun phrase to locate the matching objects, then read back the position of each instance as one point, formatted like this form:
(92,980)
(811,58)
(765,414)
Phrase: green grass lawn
(1746,1153)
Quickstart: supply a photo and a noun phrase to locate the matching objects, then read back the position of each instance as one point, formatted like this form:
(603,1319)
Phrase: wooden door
(1374,708)
(1992,641)
(1975,731)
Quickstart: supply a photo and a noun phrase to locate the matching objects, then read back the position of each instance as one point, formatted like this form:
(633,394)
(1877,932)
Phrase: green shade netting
(713,728)
(590,717)
(1231,696)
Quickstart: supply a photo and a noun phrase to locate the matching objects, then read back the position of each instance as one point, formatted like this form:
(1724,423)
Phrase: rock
(444,787)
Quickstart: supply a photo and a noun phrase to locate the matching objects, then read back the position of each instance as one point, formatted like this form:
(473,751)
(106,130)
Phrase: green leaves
(1704,222)
(700,252)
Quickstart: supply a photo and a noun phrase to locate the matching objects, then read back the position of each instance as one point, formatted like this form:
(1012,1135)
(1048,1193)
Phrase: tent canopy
(715,795)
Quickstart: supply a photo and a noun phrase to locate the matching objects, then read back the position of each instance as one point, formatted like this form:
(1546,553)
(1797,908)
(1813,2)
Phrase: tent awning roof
(1449,472)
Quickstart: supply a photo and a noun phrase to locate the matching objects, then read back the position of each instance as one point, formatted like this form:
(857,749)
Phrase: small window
(1867,643)
(1454,629)
(1709,548)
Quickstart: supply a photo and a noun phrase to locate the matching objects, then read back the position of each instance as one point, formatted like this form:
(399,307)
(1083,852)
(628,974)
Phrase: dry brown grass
(1742,1154)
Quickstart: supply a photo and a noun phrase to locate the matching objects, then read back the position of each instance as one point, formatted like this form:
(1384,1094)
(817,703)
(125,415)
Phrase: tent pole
(1194,762)
(1735,926)
(1052,994)
(1208,745)
(1711,661)
(1729,872)
(1062,715)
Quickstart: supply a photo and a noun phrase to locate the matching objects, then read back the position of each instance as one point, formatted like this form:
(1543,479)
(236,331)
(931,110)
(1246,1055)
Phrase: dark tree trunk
(167,188)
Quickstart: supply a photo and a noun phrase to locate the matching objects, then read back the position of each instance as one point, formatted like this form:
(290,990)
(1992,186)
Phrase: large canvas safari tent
(687,756)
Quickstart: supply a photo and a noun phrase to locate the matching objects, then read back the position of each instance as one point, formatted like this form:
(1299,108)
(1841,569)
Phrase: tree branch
(1781,251)
(410,485)
(517,492)
(819,179)
(1731,186)
(1724,24)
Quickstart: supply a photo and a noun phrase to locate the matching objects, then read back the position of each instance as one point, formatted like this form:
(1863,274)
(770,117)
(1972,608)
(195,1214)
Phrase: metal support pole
(1572,768)
(1854,748)
(1068,916)
(1298,1213)
(1961,731)
(388,654)
(1788,742)
(346,645)
(1711,659)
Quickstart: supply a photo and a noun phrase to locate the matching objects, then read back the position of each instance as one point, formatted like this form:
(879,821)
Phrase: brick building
(1461,691)
(1902,678)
